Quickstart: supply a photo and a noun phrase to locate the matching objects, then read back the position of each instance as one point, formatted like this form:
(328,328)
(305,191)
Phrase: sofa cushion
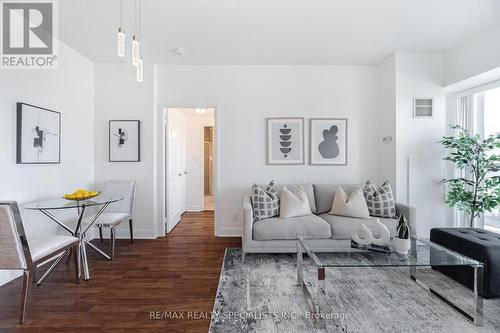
(309,226)
(324,193)
(353,205)
(343,227)
(265,202)
(380,200)
(292,205)
(294,188)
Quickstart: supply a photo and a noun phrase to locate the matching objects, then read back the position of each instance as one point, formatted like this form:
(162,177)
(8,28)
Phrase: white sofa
(325,232)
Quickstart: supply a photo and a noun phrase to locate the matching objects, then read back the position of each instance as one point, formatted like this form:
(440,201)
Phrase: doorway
(190,163)
(208,174)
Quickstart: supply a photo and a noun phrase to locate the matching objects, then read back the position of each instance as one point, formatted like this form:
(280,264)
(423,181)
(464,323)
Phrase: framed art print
(38,135)
(285,140)
(328,141)
(124,141)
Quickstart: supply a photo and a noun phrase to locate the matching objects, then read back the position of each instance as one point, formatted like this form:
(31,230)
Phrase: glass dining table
(101,202)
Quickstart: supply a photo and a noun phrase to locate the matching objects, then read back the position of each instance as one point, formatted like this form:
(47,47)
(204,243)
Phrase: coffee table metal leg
(321,288)
(300,276)
(478,276)
(312,301)
(477,317)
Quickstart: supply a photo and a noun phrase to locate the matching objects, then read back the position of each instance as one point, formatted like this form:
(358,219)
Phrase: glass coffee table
(423,253)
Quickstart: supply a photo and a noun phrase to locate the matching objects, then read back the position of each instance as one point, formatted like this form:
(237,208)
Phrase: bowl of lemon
(81,195)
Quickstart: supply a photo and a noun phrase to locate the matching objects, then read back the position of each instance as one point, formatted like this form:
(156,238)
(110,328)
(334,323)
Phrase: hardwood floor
(178,272)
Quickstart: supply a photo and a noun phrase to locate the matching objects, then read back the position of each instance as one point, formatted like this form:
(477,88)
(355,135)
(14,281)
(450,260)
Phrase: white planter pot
(401,246)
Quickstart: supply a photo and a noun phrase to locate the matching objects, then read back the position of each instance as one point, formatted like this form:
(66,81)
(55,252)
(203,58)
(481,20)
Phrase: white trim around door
(163,177)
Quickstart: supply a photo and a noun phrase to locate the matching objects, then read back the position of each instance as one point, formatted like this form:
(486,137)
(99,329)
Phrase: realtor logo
(28,30)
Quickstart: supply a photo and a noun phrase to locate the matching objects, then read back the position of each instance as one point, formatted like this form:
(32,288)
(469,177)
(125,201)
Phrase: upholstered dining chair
(119,211)
(19,254)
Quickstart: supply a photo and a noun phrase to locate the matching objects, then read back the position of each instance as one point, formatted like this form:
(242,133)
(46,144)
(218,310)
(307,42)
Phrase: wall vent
(422,107)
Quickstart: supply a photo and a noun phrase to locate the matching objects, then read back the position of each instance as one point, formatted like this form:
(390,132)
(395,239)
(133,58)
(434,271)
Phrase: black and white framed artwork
(124,140)
(38,135)
(285,140)
(328,141)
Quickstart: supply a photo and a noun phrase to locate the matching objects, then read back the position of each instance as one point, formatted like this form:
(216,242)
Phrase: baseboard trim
(229,232)
(124,233)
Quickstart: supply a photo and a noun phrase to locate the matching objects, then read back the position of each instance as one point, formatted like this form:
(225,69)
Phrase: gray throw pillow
(380,201)
(265,203)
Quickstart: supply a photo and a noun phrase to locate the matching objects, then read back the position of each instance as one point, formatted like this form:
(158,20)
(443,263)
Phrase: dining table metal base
(80,233)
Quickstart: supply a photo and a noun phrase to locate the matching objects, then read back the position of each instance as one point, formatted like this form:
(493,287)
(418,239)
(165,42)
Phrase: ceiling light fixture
(120,49)
(200,111)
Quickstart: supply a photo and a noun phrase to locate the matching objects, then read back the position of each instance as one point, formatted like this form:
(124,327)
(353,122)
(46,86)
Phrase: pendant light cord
(139,10)
(121,14)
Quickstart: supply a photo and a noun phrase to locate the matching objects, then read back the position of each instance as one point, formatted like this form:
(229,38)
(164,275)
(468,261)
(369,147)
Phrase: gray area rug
(263,296)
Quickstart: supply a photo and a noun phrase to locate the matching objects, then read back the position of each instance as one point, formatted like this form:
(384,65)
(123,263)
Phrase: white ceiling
(241,32)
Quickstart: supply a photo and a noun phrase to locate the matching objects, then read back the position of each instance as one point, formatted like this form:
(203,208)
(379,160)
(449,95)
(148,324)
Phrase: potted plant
(477,189)
(401,241)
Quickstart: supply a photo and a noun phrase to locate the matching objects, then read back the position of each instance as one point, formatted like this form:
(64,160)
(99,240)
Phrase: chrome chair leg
(34,274)
(100,235)
(131,231)
(113,238)
(24,297)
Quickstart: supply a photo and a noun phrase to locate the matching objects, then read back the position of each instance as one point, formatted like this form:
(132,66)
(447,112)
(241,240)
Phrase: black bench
(478,244)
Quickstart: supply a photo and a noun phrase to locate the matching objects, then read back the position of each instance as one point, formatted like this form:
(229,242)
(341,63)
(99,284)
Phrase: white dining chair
(19,254)
(119,211)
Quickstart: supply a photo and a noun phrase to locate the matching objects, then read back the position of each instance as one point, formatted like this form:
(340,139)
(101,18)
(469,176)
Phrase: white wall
(246,95)
(418,154)
(69,90)
(387,121)
(119,96)
(473,57)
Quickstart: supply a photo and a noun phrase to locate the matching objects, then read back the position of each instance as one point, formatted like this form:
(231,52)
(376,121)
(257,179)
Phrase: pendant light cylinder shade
(120,50)
(139,70)
(135,50)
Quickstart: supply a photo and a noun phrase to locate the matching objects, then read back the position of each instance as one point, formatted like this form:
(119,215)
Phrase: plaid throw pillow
(265,202)
(380,201)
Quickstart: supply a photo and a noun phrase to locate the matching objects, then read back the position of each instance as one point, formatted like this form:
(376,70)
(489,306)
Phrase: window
(479,112)
(491,124)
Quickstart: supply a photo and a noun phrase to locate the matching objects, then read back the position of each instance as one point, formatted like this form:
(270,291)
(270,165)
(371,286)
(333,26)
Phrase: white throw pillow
(292,205)
(352,206)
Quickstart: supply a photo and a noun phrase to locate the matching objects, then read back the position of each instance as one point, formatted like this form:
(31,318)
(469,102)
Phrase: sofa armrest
(410,214)
(247,216)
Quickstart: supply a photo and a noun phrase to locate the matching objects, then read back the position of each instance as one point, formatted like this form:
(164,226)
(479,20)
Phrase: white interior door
(176,144)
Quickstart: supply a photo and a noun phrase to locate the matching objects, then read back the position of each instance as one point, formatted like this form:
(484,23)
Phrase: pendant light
(120,49)
(135,39)
(139,70)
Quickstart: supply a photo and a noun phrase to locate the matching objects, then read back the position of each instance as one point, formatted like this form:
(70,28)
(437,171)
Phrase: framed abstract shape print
(285,140)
